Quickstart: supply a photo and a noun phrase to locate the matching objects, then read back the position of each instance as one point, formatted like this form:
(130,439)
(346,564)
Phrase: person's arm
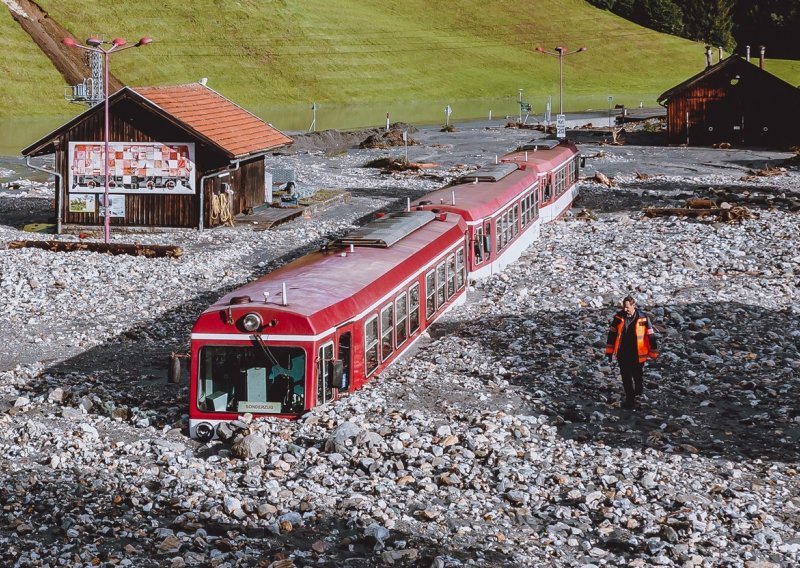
(611,340)
(652,338)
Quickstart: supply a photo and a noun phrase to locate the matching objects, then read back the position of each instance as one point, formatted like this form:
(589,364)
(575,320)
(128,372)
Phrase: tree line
(730,24)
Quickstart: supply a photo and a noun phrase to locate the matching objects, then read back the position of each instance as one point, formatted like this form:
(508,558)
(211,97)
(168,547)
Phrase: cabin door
(325,373)
(344,342)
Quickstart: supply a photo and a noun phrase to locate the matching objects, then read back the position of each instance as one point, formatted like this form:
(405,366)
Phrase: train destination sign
(134,167)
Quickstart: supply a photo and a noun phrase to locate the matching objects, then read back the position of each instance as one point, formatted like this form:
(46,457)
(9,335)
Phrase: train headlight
(204,432)
(251,322)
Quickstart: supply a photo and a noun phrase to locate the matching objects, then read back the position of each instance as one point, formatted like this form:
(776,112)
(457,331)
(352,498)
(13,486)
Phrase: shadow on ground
(726,383)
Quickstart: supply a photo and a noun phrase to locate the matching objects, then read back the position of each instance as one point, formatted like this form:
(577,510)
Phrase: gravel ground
(498,442)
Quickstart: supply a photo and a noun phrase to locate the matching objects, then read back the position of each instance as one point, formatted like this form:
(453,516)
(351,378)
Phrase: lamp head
(118,42)
(94,42)
(582,49)
(69,42)
(144,41)
(540,50)
(560,49)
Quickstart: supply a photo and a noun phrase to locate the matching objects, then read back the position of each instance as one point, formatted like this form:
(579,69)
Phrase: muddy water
(18,132)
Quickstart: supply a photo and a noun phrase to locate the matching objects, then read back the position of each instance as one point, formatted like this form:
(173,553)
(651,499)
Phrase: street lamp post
(561,53)
(105,47)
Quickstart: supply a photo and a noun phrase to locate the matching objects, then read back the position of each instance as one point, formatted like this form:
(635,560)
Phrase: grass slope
(342,51)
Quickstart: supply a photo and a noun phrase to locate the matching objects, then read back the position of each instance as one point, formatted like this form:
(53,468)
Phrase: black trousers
(631,371)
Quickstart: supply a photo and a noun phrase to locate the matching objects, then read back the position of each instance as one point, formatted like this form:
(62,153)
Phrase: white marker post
(447,112)
(405,142)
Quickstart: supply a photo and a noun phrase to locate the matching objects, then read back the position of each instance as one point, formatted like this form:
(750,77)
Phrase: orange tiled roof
(219,119)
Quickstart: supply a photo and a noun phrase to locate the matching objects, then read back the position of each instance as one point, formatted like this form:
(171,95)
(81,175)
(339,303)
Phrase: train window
(441,281)
(524,210)
(478,245)
(264,379)
(487,238)
(387,327)
(535,201)
(371,344)
(451,276)
(515,222)
(460,276)
(400,310)
(324,377)
(548,189)
(430,294)
(413,311)
(345,354)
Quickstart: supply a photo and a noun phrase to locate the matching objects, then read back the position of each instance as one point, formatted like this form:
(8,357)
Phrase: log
(679,212)
(699,203)
(150,251)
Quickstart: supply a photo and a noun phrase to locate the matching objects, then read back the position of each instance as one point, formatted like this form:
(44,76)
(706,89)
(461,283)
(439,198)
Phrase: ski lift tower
(90,90)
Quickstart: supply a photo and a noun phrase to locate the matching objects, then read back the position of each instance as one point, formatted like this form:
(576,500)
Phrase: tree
(664,16)
(710,21)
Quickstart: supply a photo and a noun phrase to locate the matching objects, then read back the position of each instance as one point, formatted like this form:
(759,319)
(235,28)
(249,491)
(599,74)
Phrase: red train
(331,320)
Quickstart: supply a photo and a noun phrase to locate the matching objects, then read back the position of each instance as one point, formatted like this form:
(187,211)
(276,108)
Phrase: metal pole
(561,81)
(107,229)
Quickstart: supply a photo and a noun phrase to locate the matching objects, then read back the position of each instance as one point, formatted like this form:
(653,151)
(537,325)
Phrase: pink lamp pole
(97,45)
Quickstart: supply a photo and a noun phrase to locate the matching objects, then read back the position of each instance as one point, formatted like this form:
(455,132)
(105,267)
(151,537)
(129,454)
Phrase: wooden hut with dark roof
(179,156)
(733,101)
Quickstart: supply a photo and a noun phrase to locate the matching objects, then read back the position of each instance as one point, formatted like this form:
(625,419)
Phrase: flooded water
(16,133)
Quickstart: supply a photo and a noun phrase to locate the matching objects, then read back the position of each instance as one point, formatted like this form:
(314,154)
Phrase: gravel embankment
(499,442)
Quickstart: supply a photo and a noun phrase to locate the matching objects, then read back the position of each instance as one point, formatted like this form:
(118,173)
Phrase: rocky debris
(498,442)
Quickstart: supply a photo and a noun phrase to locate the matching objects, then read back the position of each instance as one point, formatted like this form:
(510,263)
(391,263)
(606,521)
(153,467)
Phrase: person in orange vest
(632,339)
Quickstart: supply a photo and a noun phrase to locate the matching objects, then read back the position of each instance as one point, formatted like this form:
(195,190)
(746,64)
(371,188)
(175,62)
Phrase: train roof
(328,287)
(542,154)
(489,189)
(475,198)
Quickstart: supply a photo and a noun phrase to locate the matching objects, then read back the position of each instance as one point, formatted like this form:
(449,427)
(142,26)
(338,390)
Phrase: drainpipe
(58,192)
(719,53)
(747,51)
(708,56)
(761,57)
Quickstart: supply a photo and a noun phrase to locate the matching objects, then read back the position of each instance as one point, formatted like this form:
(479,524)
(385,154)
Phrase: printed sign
(561,126)
(259,407)
(133,167)
(82,203)
(116,205)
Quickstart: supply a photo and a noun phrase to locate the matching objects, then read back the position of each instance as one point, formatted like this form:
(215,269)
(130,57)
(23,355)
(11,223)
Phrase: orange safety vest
(643,332)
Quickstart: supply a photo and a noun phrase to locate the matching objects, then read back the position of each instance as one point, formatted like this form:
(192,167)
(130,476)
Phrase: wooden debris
(150,251)
(642,176)
(699,203)
(727,214)
(600,177)
(722,145)
(763,172)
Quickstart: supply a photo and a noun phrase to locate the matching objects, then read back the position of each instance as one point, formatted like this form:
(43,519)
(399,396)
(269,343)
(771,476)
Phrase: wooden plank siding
(132,123)
(734,102)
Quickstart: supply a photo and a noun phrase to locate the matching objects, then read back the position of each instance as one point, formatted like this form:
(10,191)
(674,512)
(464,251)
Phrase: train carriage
(505,203)
(558,168)
(330,320)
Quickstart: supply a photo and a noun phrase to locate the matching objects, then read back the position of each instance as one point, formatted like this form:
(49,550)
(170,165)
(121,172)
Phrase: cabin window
(259,379)
(430,294)
(387,326)
(413,311)
(441,281)
(371,344)
(345,354)
(324,370)
(548,189)
(460,272)
(401,319)
(478,245)
(451,276)
(515,220)
(524,209)
(535,203)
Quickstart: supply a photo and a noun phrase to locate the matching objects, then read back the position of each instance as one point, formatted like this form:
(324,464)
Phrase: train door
(344,342)
(325,368)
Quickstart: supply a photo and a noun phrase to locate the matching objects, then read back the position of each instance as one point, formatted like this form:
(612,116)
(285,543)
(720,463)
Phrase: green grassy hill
(285,52)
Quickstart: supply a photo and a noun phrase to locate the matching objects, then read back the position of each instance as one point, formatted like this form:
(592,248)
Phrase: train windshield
(256,379)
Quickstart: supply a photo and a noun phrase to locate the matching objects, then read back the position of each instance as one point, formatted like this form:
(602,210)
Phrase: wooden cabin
(733,101)
(179,156)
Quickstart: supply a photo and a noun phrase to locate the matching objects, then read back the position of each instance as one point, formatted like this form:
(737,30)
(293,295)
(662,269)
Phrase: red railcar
(328,321)
(504,204)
